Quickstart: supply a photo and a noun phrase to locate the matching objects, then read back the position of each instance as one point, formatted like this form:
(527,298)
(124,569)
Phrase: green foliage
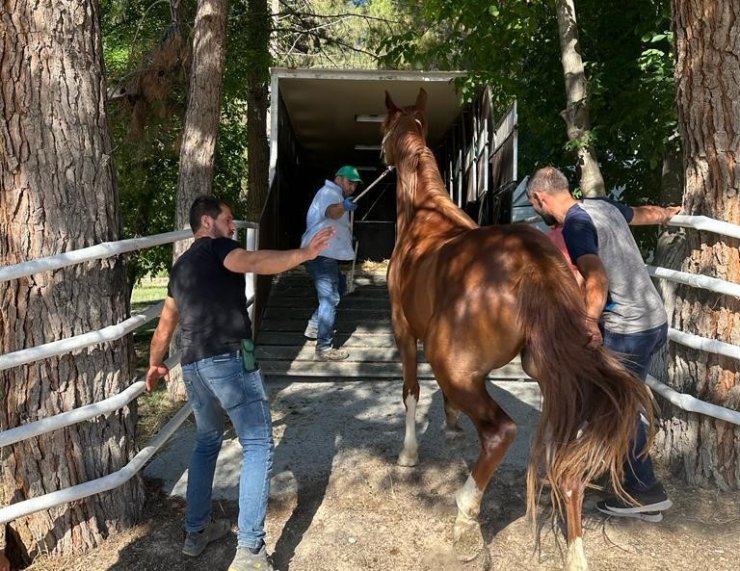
(513,46)
(147,124)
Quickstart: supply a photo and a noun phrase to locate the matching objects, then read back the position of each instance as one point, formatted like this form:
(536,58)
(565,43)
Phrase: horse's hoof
(408,460)
(468,540)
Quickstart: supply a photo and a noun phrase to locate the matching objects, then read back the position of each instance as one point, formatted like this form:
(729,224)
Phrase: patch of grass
(155,409)
(148,292)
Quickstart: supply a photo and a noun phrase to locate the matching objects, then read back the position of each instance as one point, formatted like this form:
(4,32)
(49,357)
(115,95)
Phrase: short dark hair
(204,205)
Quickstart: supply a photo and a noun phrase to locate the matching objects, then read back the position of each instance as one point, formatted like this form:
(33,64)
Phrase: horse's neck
(424,197)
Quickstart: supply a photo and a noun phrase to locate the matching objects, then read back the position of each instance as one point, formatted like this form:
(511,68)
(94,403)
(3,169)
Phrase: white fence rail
(109,482)
(54,348)
(693,404)
(99,251)
(706,224)
(704,282)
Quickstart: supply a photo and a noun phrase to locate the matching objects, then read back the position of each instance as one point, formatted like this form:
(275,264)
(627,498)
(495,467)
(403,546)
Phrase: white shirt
(340,246)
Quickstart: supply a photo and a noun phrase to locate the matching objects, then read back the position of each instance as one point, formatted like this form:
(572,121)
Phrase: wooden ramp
(363,328)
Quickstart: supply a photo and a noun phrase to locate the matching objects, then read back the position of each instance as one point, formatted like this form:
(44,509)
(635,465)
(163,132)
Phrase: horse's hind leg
(573,491)
(409,456)
(496,431)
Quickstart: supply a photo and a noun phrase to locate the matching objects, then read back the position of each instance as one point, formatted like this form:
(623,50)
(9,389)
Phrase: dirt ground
(342,504)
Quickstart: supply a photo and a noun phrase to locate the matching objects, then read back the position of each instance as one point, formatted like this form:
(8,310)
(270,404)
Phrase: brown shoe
(330,354)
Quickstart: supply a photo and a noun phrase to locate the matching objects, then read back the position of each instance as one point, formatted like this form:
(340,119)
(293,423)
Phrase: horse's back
(465,289)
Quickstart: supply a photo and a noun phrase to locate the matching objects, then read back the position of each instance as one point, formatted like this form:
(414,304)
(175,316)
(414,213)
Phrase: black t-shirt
(210,299)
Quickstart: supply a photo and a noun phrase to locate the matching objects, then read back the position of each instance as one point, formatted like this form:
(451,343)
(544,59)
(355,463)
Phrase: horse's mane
(419,176)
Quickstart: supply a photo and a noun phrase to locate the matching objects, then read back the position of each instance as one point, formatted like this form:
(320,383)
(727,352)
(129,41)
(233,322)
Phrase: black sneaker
(647,505)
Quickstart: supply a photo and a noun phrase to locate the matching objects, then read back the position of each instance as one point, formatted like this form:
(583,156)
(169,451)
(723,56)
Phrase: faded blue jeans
(219,386)
(330,286)
(635,350)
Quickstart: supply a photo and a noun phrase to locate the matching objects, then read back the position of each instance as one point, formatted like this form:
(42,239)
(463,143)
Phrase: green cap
(350,173)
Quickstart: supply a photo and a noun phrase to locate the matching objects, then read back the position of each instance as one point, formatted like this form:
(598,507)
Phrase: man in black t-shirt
(206,296)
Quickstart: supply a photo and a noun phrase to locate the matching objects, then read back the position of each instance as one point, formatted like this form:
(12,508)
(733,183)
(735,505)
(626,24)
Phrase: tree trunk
(58,193)
(259,23)
(200,132)
(575,115)
(699,448)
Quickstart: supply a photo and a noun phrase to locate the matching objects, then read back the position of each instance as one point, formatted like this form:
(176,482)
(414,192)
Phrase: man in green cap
(330,208)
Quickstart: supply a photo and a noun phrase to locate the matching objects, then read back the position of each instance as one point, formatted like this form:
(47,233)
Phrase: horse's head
(400,121)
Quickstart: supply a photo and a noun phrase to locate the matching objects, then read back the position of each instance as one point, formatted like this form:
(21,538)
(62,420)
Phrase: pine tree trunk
(259,23)
(58,193)
(701,449)
(200,132)
(575,115)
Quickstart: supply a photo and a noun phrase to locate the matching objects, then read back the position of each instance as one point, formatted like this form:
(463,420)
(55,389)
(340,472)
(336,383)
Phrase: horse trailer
(322,119)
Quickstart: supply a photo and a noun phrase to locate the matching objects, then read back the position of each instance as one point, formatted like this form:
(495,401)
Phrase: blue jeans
(635,350)
(330,286)
(219,386)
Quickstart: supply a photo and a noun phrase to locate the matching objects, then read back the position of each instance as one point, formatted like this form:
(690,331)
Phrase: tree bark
(58,193)
(204,108)
(699,448)
(200,132)
(576,115)
(259,24)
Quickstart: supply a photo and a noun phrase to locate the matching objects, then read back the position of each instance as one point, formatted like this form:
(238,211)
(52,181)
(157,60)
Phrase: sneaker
(647,505)
(311,332)
(245,560)
(196,541)
(330,354)
(652,517)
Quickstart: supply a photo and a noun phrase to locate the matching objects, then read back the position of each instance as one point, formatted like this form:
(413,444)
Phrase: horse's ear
(421,100)
(389,105)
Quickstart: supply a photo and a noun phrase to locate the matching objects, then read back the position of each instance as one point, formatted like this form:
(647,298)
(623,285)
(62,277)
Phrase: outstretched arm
(644,215)
(160,344)
(275,261)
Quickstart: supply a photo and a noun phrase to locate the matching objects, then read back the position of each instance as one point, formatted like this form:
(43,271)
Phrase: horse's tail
(590,402)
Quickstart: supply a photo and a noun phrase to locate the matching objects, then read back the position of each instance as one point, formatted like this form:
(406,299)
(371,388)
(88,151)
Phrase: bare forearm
(596,295)
(644,215)
(163,333)
(159,347)
(266,261)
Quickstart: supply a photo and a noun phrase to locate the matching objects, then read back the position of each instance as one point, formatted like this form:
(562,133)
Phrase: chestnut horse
(478,297)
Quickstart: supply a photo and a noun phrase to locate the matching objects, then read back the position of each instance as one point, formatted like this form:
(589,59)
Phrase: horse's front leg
(573,494)
(407,348)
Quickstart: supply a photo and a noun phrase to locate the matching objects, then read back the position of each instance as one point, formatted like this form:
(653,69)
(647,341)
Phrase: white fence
(117,331)
(107,406)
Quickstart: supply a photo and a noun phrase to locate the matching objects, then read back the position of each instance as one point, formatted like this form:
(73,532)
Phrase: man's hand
(319,242)
(349,204)
(595,339)
(670,212)
(153,375)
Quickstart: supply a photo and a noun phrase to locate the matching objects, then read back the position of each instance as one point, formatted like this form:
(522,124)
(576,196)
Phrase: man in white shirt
(330,208)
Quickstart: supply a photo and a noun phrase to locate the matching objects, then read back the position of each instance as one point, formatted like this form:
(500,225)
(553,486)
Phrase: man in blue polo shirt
(626,311)
(330,208)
